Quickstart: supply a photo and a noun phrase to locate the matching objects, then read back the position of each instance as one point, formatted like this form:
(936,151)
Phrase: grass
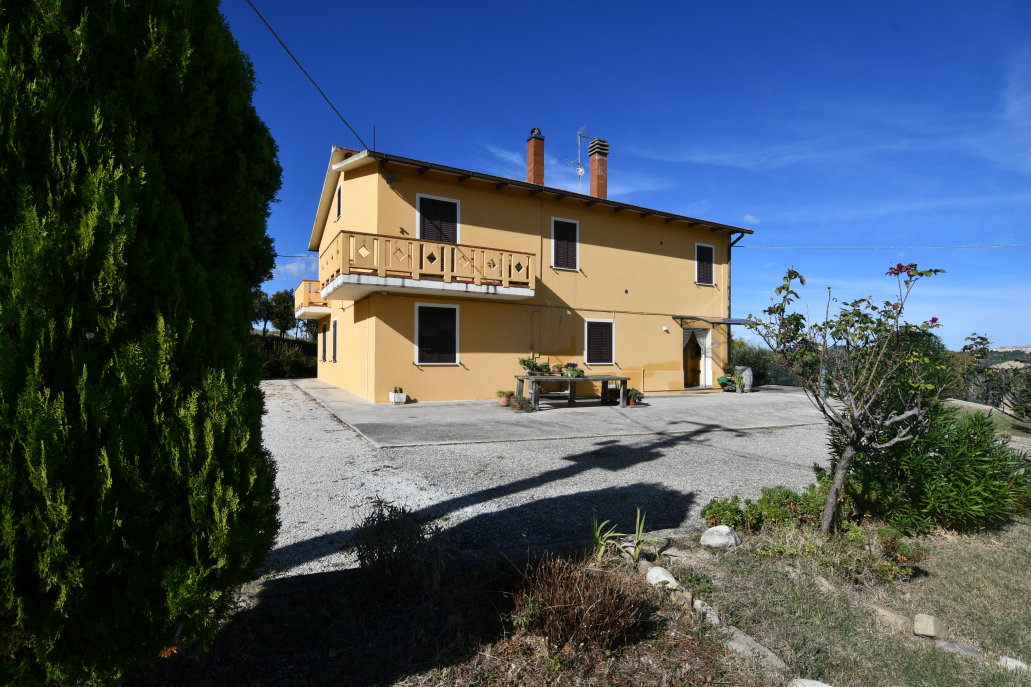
(1005,424)
(975,585)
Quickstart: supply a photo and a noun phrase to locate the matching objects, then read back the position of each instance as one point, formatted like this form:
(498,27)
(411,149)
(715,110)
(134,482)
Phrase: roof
(340,160)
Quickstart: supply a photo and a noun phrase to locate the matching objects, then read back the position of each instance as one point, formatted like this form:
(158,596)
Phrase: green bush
(134,489)
(285,360)
(957,474)
(395,542)
(776,506)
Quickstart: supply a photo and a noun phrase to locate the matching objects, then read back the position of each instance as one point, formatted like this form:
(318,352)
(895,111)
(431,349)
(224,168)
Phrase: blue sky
(815,124)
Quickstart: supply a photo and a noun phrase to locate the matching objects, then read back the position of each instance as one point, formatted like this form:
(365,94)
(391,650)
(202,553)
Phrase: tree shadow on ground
(348,628)
(607,454)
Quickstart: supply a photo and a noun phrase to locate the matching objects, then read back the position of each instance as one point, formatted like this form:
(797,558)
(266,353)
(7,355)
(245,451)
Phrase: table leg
(572,392)
(519,387)
(622,394)
(535,394)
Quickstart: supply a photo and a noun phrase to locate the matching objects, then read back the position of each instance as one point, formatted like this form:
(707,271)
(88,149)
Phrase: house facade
(436,280)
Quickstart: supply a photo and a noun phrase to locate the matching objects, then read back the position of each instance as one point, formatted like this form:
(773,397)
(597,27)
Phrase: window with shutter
(436,334)
(704,256)
(438,219)
(565,239)
(599,343)
(334,341)
(325,339)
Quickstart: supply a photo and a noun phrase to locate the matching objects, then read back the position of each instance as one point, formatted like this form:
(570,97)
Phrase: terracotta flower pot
(503,400)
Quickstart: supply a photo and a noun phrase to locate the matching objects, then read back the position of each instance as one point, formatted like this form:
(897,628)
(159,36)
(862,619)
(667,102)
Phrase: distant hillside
(1009,349)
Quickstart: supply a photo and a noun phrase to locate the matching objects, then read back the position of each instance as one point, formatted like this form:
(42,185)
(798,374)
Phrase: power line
(324,96)
(986,245)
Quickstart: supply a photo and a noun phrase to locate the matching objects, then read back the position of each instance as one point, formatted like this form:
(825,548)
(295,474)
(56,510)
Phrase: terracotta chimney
(535,157)
(599,152)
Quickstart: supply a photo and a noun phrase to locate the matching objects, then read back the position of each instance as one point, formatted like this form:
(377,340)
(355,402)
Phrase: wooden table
(536,381)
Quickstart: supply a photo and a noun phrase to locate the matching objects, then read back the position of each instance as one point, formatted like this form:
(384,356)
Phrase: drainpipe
(729,281)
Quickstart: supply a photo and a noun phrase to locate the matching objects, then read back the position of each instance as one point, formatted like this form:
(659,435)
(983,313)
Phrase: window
(565,243)
(437,218)
(436,334)
(704,257)
(334,340)
(339,200)
(599,349)
(325,339)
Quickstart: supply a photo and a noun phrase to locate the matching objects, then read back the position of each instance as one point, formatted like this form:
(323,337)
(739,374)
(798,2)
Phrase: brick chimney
(535,157)
(599,154)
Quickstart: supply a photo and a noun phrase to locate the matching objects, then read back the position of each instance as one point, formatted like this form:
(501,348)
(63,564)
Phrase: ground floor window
(599,348)
(436,334)
(325,340)
(334,341)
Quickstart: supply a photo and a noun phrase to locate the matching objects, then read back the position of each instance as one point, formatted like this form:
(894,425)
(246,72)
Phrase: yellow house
(437,279)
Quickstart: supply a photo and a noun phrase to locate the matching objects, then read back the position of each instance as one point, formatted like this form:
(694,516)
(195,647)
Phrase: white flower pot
(398,399)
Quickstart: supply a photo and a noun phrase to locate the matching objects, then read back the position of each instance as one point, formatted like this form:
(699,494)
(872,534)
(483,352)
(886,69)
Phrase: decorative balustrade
(396,256)
(308,294)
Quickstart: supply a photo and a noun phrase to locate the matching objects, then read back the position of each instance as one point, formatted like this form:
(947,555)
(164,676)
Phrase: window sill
(702,283)
(565,269)
(418,364)
(610,364)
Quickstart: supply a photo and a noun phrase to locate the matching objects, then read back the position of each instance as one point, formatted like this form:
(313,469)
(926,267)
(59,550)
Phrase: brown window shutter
(437,335)
(565,245)
(704,258)
(599,342)
(439,220)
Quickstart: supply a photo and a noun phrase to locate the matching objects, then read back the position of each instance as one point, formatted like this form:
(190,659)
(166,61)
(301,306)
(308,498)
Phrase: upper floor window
(437,218)
(340,190)
(599,349)
(565,243)
(704,259)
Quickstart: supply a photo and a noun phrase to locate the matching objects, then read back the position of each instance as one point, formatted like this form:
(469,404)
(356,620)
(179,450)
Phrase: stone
(926,626)
(720,537)
(660,577)
(683,598)
(742,644)
(959,648)
(707,612)
(1011,664)
(893,619)
(802,682)
(824,585)
(644,566)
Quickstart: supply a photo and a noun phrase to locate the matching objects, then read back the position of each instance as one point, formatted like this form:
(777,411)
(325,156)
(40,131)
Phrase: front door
(692,361)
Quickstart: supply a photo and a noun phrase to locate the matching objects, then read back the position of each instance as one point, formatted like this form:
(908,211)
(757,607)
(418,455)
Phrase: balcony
(308,301)
(355,264)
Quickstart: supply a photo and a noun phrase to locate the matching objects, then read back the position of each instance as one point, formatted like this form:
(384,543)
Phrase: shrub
(521,403)
(724,511)
(758,358)
(573,603)
(134,489)
(958,474)
(393,541)
(284,360)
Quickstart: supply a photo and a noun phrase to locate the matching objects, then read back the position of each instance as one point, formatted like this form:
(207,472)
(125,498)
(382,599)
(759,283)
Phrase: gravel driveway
(514,495)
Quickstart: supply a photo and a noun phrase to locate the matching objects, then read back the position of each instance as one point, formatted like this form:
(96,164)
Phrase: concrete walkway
(435,423)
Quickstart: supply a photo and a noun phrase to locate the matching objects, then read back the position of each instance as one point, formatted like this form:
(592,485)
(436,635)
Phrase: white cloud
(751,219)
(297,268)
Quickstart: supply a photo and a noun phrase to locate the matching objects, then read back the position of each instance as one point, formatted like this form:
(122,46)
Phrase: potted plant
(522,403)
(739,382)
(726,382)
(572,370)
(634,396)
(398,396)
(504,397)
(529,365)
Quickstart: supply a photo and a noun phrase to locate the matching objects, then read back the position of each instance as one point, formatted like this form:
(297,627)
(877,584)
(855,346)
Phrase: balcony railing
(391,256)
(308,299)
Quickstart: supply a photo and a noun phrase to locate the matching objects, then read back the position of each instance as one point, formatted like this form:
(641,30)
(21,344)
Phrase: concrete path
(437,423)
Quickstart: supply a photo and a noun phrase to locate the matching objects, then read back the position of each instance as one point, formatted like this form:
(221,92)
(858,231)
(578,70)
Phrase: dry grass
(833,636)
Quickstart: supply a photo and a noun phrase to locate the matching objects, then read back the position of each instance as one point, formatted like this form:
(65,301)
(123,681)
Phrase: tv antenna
(578,162)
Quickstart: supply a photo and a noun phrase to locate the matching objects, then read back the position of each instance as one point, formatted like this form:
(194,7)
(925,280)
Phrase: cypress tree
(134,488)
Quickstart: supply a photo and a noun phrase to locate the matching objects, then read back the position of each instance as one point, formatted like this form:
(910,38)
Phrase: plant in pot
(529,365)
(398,396)
(726,382)
(739,382)
(572,370)
(634,396)
(504,397)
